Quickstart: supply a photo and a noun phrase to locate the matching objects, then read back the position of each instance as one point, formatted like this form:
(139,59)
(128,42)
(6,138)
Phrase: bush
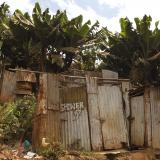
(52,151)
(16,117)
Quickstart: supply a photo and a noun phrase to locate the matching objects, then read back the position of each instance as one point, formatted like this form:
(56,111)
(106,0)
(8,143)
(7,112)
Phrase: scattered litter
(30,155)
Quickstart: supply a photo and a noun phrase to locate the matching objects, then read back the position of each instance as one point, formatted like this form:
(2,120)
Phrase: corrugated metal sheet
(53,114)
(94,115)
(125,92)
(138,121)
(47,121)
(148,119)
(74,118)
(39,130)
(46,126)
(114,129)
(40,120)
(25,76)
(23,88)
(52,92)
(8,85)
(155,115)
(109,74)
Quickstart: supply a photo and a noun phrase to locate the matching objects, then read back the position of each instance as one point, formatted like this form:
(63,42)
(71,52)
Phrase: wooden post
(94,114)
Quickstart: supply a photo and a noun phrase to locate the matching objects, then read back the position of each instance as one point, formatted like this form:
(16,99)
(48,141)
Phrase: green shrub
(52,151)
(16,117)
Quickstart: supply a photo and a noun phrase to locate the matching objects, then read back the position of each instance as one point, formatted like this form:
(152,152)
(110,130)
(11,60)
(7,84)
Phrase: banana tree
(44,42)
(134,52)
(4,34)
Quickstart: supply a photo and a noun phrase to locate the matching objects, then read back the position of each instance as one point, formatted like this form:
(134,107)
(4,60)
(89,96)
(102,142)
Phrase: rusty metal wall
(42,95)
(16,83)
(47,118)
(25,76)
(74,118)
(80,117)
(138,121)
(155,116)
(39,129)
(114,130)
(8,85)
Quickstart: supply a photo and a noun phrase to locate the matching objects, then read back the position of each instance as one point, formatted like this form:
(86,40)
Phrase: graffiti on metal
(75,107)
(71,106)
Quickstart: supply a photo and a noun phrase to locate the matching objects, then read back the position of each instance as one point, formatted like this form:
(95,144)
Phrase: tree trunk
(42,60)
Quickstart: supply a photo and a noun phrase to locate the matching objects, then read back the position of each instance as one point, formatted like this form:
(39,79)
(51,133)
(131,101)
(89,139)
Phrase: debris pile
(10,153)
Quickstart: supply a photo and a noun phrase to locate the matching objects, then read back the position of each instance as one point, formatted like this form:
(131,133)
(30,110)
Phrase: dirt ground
(8,153)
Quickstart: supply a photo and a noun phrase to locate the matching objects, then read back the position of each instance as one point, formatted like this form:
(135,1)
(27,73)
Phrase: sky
(107,12)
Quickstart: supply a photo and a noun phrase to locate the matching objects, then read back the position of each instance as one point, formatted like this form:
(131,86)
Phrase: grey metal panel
(109,74)
(155,115)
(114,129)
(52,92)
(53,126)
(125,93)
(138,122)
(74,119)
(53,114)
(148,119)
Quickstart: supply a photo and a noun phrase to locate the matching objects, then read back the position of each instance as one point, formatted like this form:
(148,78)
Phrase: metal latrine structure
(88,113)
(15,84)
(82,113)
(145,113)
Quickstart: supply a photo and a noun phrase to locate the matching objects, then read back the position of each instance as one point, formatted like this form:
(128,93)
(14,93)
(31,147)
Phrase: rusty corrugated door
(155,116)
(114,129)
(137,122)
(74,118)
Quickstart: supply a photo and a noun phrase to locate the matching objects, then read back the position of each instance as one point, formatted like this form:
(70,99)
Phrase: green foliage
(53,43)
(4,30)
(16,117)
(51,152)
(133,52)
(49,42)
(88,58)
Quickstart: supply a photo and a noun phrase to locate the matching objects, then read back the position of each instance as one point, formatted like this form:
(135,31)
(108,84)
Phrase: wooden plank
(114,129)
(94,114)
(138,121)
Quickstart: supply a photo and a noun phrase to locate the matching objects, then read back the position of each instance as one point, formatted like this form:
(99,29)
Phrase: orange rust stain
(4,99)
